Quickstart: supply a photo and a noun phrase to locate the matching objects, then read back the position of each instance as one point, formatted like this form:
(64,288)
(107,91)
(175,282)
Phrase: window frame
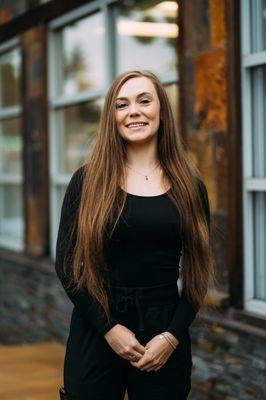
(10,178)
(251,184)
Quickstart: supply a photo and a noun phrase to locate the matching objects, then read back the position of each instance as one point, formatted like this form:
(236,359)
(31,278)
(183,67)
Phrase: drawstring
(127,300)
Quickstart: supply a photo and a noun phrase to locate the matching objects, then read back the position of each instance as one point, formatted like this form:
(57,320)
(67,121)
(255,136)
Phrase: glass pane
(172,92)
(10,75)
(258,96)
(11,213)
(77,126)
(258,25)
(147,36)
(81,52)
(259,244)
(10,146)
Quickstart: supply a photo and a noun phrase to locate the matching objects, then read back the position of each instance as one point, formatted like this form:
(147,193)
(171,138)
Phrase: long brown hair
(102,202)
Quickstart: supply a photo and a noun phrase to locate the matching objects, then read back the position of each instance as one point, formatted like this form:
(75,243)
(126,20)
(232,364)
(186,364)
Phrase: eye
(145,101)
(120,105)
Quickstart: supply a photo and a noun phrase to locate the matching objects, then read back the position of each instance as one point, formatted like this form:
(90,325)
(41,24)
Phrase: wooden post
(35,140)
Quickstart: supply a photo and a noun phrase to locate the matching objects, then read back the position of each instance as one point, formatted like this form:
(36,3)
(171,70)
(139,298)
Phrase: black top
(146,244)
(144,250)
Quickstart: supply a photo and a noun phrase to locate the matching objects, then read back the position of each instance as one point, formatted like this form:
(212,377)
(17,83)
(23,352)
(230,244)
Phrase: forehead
(137,85)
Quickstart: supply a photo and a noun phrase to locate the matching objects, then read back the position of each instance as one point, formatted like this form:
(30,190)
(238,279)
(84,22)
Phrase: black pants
(93,371)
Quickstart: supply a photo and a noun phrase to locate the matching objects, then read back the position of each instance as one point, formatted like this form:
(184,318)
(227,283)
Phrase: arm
(89,308)
(185,311)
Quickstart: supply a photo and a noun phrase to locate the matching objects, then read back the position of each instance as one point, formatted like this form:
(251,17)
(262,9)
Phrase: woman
(127,215)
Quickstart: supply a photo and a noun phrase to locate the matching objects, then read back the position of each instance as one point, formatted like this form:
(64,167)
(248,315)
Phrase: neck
(143,157)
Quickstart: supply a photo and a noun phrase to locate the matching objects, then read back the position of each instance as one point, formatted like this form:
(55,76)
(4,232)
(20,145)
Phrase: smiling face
(137,110)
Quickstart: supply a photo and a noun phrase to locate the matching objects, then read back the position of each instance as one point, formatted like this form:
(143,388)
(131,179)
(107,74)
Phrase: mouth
(136,124)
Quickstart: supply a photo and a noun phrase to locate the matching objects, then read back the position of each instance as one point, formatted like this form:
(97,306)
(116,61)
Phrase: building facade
(57,60)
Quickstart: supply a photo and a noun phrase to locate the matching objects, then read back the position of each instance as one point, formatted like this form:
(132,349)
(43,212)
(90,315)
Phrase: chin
(140,139)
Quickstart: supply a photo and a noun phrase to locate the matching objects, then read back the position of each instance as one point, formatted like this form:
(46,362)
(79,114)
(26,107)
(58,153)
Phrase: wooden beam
(35,151)
(35,15)
(235,228)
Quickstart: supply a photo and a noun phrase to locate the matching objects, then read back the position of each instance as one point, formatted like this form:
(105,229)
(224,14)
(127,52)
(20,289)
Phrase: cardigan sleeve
(88,307)
(185,311)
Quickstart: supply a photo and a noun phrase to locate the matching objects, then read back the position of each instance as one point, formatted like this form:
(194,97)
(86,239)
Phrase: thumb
(141,349)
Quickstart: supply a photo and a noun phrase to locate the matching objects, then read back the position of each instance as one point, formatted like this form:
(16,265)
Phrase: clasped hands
(150,357)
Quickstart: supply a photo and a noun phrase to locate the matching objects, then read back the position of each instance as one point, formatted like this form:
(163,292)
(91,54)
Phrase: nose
(133,109)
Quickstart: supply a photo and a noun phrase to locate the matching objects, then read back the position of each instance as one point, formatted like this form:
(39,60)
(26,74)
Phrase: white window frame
(250,183)
(17,179)
(56,102)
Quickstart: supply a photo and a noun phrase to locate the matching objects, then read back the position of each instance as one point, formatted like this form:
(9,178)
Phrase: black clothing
(93,371)
(144,252)
(146,245)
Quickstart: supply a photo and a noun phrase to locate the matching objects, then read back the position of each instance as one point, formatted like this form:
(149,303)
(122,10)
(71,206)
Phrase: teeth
(133,125)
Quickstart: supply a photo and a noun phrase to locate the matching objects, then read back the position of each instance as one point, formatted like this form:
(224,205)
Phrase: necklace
(146,175)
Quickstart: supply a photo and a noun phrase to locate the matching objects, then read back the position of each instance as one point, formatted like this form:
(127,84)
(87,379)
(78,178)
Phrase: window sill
(238,320)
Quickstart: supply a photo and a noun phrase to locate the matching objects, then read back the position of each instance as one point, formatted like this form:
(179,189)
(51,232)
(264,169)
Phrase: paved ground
(30,372)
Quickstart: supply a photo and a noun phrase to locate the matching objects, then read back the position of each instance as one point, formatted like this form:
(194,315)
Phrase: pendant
(146,177)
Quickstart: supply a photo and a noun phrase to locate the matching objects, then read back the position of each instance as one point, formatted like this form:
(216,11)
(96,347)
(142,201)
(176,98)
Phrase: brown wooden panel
(235,223)
(35,140)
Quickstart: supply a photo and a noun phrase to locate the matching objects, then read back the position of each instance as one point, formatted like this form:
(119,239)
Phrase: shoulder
(76,179)
(74,187)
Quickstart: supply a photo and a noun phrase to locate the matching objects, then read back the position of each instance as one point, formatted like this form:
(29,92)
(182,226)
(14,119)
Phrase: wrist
(173,338)
(172,342)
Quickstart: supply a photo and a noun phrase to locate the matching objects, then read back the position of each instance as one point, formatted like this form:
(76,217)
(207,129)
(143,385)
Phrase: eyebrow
(139,95)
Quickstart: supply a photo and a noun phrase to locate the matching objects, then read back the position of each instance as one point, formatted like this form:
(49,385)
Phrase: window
(77,80)
(254,151)
(11,199)
(87,49)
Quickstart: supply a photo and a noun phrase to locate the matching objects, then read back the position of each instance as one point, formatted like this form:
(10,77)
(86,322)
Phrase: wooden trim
(36,15)
(35,139)
(235,209)
(181,69)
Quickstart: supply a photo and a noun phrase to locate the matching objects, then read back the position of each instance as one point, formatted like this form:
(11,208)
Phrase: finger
(134,357)
(139,348)
(153,367)
(137,354)
(143,363)
(148,366)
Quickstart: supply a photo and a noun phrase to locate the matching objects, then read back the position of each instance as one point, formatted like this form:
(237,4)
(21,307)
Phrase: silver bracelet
(163,335)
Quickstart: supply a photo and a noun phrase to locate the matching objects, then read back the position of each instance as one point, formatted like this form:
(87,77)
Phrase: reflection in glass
(11,212)
(10,146)
(259,244)
(147,35)
(77,126)
(258,25)
(82,58)
(258,93)
(10,76)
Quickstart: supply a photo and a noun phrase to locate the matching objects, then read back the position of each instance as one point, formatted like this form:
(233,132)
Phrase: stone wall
(34,306)
(227,364)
